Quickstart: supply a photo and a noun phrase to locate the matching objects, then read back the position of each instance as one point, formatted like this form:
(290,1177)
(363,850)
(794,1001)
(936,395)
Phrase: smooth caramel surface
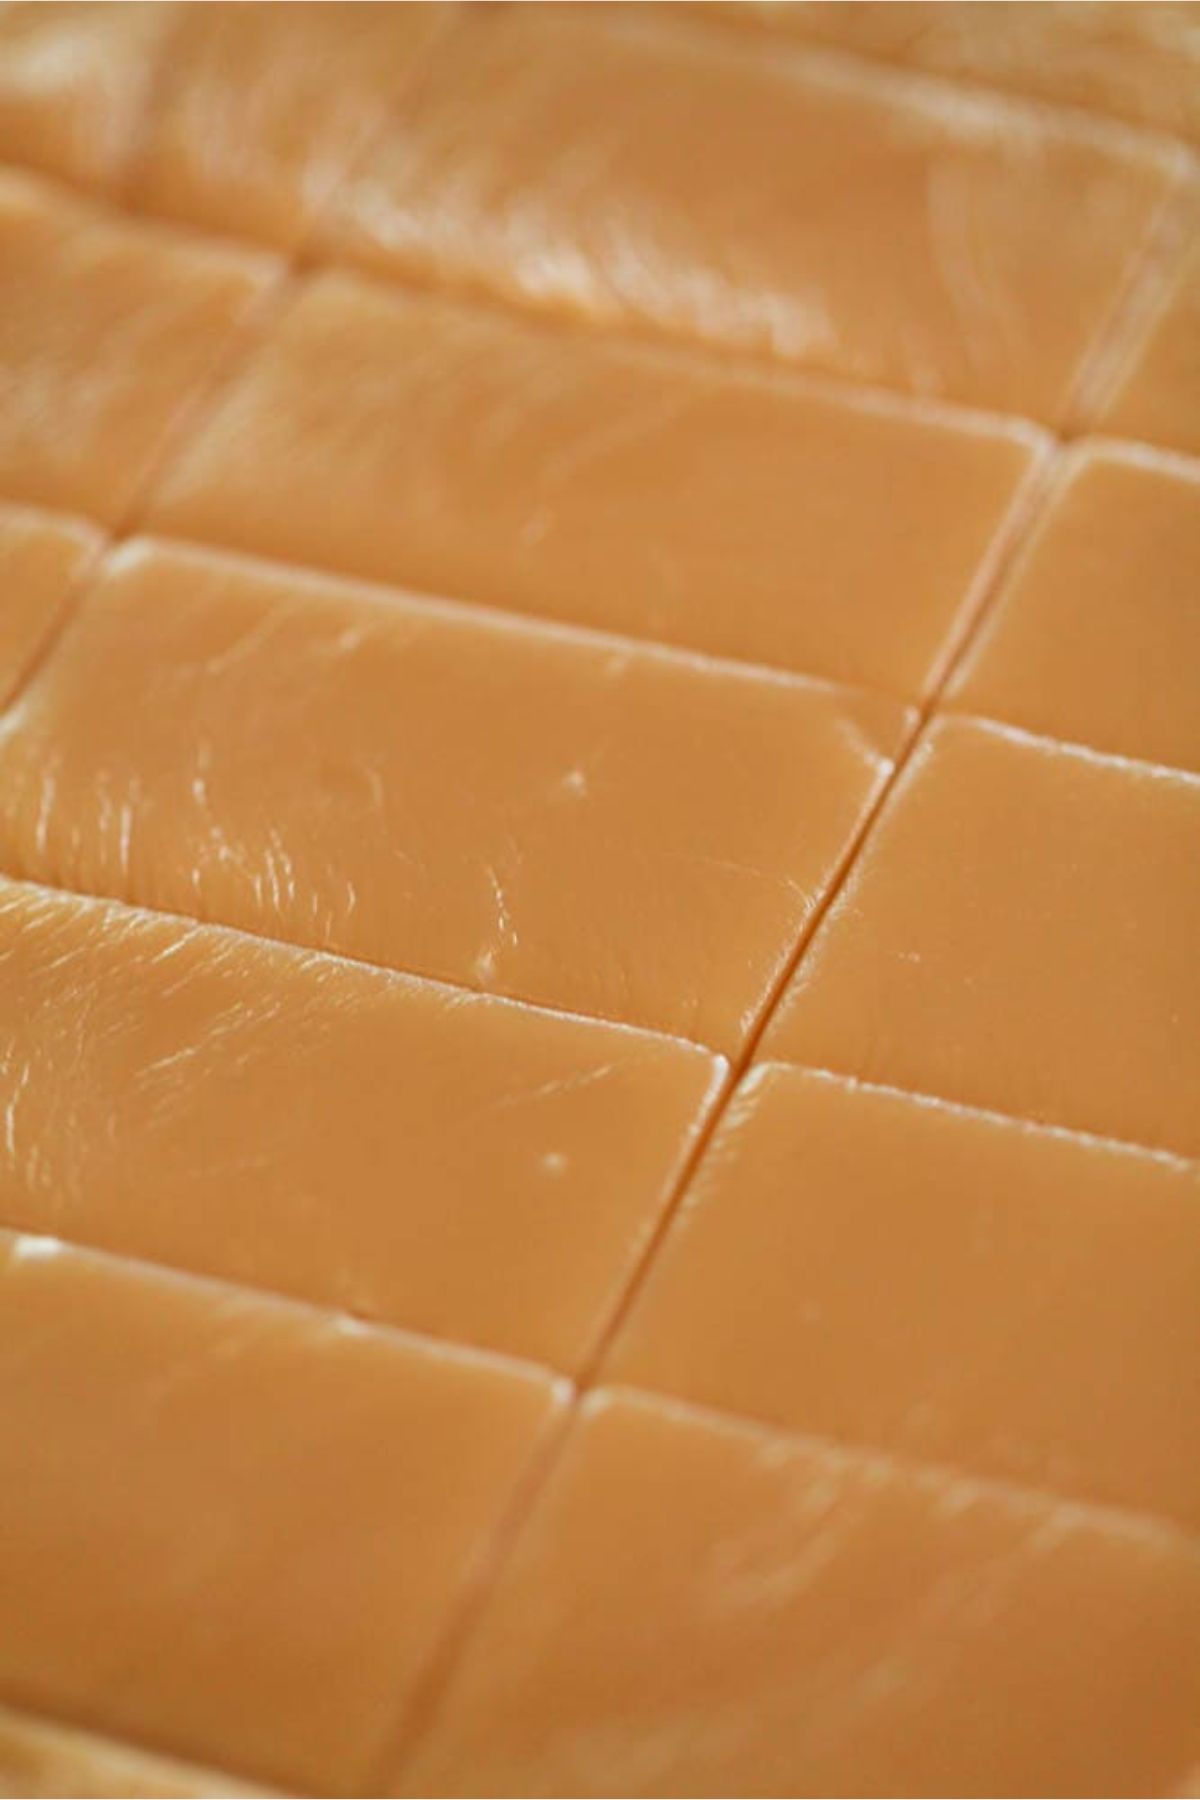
(1000,238)
(41,556)
(569,820)
(261,108)
(698,1607)
(879,1269)
(75,80)
(107,330)
(1096,637)
(230,1525)
(1018,934)
(196,1097)
(1138,62)
(409,439)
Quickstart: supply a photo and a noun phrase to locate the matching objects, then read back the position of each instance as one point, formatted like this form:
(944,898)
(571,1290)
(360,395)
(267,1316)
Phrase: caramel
(409,1153)
(699,1607)
(573,821)
(214,1531)
(1018,934)
(463,452)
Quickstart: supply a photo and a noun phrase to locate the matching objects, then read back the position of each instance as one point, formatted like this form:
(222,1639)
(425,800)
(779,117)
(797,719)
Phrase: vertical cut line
(419,1711)
(84,578)
(419,1719)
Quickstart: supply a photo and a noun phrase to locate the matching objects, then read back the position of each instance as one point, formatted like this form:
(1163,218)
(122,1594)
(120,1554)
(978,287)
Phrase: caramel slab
(876,1268)
(232,1528)
(262,107)
(473,454)
(899,231)
(1096,637)
(560,818)
(704,1608)
(42,555)
(75,81)
(1140,63)
(440,1160)
(108,329)
(1155,396)
(1019,934)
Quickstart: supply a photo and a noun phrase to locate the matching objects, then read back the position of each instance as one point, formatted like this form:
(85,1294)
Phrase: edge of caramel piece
(697,1605)
(235,1528)
(439,1160)
(939,1282)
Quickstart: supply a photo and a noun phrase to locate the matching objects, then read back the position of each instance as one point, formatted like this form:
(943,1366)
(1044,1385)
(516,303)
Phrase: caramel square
(948,1284)
(1019,934)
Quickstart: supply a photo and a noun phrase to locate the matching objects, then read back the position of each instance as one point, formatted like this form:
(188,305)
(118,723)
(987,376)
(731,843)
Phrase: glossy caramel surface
(599,884)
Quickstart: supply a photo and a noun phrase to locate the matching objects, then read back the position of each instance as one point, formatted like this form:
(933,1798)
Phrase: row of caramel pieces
(986,254)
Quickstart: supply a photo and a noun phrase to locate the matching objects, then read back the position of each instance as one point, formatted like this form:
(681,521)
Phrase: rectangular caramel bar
(465,452)
(569,820)
(361,1139)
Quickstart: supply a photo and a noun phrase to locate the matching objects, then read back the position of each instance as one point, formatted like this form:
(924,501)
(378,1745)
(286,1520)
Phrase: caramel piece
(639,171)
(566,819)
(1156,396)
(264,106)
(229,1527)
(75,82)
(703,1608)
(1097,635)
(1140,63)
(41,557)
(1019,933)
(869,1266)
(452,1162)
(405,438)
(41,1761)
(107,330)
